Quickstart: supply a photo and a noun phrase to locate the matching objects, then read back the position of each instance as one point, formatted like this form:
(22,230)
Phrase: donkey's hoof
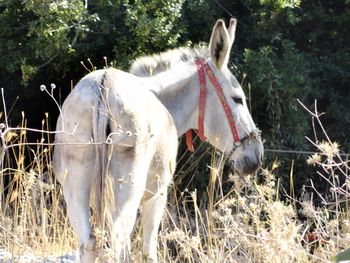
(88,251)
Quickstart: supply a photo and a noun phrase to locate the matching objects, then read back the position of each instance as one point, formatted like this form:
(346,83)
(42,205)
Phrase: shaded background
(284,50)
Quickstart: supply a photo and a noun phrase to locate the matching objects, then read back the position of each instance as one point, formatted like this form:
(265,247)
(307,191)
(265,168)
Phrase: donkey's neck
(177,90)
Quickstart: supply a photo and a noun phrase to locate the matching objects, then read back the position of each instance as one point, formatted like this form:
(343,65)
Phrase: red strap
(201,66)
(223,101)
(202,93)
(189,141)
(201,109)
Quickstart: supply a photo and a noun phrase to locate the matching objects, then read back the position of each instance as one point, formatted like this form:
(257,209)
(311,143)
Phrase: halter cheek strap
(202,68)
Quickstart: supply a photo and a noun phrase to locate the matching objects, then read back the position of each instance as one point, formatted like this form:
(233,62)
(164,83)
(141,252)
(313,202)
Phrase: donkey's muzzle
(251,165)
(250,159)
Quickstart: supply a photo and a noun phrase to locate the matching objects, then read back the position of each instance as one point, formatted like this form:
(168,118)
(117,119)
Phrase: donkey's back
(113,130)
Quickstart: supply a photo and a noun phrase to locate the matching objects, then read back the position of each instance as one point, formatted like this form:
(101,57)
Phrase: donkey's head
(229,125)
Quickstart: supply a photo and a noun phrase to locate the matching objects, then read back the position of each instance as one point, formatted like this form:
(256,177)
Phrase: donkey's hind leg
(78,212)
(128,190)
(76,189)
(152,212)
(155,197)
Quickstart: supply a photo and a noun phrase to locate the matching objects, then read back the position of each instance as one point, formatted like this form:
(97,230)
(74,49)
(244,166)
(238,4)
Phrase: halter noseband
(202,68)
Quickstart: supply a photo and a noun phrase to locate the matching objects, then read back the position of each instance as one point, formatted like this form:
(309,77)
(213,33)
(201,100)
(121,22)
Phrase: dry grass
(32,211)
(248,224)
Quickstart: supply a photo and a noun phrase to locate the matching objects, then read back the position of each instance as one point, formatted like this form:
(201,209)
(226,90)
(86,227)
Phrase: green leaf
(343,256)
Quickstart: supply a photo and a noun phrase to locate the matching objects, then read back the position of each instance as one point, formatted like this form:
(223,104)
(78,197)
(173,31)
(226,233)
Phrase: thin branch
(4,107)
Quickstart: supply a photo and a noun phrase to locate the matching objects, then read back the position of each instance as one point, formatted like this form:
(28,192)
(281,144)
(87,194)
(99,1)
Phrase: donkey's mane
(154,64)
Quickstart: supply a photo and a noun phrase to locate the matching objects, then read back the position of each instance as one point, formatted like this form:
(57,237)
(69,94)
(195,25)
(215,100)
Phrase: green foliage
(343,256)
(279,4)
(277,81)
(154,22)
(40,38)
(42,31)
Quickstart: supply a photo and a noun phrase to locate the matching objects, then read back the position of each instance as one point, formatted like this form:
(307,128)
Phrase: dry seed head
(265,172)
(275,165)
(31,178)
(232,177)
(224,210)
(241,201)
(177,234)
(314,159)
(346,225)
(308,209)
(10,136)
(252,206)
(329,149)
(229,201)
(332,227)
(280,211)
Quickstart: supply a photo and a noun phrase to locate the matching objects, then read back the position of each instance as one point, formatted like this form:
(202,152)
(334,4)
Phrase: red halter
(201,67)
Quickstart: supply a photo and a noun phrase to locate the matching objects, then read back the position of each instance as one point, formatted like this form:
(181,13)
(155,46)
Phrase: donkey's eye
(238,100)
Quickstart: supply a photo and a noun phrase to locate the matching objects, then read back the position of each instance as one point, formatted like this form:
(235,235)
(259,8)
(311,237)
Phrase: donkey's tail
(100,131)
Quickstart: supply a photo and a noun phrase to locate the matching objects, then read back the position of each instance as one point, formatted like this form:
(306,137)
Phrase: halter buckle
(238,144)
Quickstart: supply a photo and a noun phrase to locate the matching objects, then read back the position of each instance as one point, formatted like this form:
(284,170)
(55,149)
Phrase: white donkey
(198,91)
(111,127)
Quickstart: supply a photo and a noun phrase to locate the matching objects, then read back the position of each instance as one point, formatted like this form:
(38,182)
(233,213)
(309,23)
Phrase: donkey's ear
(220,44)
(232,29)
